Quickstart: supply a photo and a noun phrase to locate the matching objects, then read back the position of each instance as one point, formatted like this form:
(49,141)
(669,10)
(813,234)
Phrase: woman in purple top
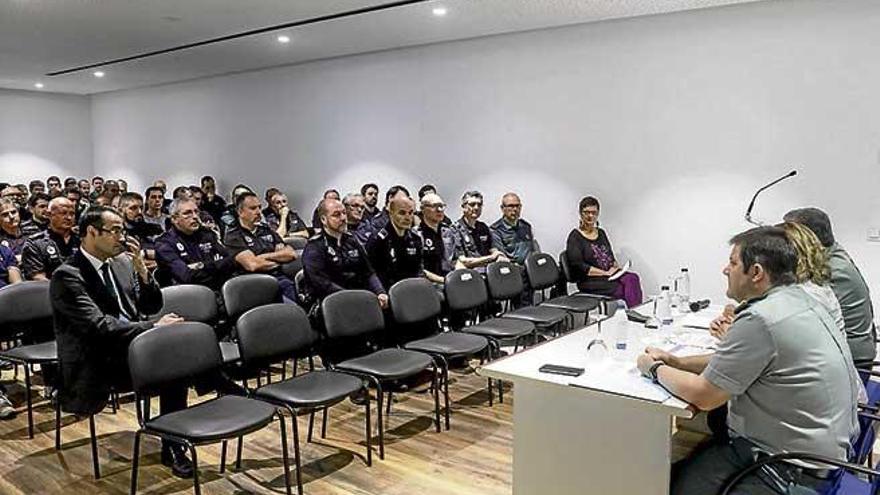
(591,259)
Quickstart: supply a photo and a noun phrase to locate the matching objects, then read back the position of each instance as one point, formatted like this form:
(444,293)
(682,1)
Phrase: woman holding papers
(592,261)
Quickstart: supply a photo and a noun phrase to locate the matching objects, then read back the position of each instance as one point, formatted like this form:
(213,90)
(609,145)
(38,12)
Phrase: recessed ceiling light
(38,85)
(439,11)
(98,74)
(283,38)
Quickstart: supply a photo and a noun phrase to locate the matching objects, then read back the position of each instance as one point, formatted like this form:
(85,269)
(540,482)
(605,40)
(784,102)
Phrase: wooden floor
(473,457)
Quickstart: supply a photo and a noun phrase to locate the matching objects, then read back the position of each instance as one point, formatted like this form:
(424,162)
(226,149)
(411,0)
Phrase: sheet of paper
(700,319)
(619,273)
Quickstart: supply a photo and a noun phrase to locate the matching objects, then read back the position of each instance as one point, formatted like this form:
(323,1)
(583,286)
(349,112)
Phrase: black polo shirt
(46,251)
(434,256)
(395,257)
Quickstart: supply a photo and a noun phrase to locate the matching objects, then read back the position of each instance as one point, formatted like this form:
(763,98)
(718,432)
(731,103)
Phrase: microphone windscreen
(698,305)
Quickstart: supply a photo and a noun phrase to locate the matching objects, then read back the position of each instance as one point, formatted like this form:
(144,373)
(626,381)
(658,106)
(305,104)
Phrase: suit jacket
(92,338)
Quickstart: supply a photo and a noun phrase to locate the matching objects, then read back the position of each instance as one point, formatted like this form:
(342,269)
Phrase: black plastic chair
(356,313)
(192,302)
(179,354)
(276,332)
(505,284)
(26,305)
(467,296)
(240,294)
(414,301)
(543,274)
(604,301)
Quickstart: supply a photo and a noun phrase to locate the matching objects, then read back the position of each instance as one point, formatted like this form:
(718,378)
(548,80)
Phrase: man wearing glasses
(431,230)
(360,228)
(471,239)
(511,234)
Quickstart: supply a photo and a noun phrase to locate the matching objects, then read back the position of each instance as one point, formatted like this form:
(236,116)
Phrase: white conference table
(606,432)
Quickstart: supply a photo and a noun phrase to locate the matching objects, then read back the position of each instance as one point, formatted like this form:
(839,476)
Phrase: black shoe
(175,457)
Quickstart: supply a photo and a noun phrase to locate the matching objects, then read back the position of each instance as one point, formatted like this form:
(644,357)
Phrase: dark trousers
(707,471)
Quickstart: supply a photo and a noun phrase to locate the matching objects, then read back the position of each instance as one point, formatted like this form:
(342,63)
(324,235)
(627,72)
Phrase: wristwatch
(653,370)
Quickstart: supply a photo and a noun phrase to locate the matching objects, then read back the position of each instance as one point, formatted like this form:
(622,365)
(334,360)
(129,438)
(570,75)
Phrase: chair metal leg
(296,458)
(223,446)
(95,466)
(436,397)
(369,428)
(269,376)
(238,454)
(192,450)
(58,425)
(284,370)
(311,426)
(324,424)
(284,450)
(446,391)
(500,392)
(134,462)
(379,420)
(112,402)
(27,393)
(388,404)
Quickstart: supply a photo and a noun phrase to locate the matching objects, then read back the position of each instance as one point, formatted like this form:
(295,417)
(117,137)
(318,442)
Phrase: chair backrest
(414,300)
(299,280)
(25,302)
(542,271)
(504,280)
(292,268)
(173,354)
(271,333)
(297,243)
(465,289)
(192,302)
(248,291)
(566,268)
(350,313)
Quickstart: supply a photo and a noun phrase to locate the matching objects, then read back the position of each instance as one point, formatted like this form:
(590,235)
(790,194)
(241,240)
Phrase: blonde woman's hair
(812,264)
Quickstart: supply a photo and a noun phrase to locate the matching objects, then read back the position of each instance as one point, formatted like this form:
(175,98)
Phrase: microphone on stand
(759,191)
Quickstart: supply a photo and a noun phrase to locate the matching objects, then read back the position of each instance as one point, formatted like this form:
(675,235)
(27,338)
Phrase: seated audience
(469,241)
(848,285)
(191,254)
(11,235)
(131,205)
(356,224)
(511,234)
(395,252)
(334,260)
(257,248)
(38,205)
(155,197)
(370,192)
(592,261)
(212,202)
(44,252)
(435,262)
(316,219)
(784,369)
(286,222)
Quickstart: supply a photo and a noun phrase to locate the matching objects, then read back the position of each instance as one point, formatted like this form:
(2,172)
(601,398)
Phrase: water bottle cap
(664,287)
(684,270)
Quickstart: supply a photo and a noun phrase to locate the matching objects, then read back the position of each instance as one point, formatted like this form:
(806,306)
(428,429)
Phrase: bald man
(46,251)
(511,234)
(395,251)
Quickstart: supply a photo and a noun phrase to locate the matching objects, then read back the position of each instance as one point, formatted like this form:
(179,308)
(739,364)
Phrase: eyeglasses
(116,231)
(357,207)
(438,206)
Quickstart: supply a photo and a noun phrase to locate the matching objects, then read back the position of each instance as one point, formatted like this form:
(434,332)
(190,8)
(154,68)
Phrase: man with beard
(257,248)
(131,205)
(38,204)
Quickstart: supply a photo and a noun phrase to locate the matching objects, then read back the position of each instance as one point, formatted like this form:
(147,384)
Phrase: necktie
(111,288)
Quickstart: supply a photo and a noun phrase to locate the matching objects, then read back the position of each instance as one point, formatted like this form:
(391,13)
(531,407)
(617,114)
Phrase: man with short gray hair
(469,238)
(848,285)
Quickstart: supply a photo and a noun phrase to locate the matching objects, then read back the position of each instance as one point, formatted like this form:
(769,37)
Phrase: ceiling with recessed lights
(81,38)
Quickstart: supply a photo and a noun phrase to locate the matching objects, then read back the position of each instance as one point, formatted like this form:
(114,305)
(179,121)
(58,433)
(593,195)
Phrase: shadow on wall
(24,167)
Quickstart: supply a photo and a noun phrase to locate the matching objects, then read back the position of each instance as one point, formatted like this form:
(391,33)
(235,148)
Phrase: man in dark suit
(100,297)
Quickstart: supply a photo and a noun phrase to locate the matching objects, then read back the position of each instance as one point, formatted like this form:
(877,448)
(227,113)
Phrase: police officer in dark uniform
(379,221)
(191,254)
(356,224)
(11,235)
(283,220)
(471,239)
(46,251)
(396,251)
(257,248)
(435,262)
(38,204)
(131,205)
(334,260)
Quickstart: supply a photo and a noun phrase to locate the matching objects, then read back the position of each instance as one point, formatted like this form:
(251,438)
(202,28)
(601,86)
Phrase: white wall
(43,134)
(672,121)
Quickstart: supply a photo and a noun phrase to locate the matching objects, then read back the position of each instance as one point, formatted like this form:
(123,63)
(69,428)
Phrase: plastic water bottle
(663,307)
(684,287)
